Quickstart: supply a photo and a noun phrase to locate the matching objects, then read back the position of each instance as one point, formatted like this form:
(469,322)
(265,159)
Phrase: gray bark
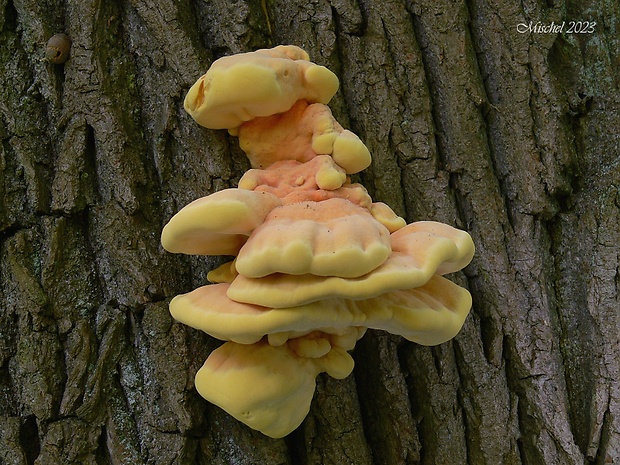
(511,136)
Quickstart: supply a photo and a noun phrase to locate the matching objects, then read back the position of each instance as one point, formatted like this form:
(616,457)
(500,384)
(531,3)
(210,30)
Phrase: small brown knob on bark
(58,48)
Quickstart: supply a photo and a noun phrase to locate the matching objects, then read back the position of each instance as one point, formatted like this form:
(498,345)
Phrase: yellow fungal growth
(317,262)
(429,314)
(330,238)
(239,88)
(416,255)
(302,133)
(267,388)
(218,224)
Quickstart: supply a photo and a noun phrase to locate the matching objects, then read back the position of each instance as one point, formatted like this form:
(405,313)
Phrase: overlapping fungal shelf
(317,261)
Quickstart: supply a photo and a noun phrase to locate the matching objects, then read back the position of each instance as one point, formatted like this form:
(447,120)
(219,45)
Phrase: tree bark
(510,135)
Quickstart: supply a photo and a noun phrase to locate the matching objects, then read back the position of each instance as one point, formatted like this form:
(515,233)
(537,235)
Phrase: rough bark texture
(511,136)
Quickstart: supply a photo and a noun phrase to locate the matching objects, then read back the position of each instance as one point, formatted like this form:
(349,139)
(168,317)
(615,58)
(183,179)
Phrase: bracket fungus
(317,262)
(241,87)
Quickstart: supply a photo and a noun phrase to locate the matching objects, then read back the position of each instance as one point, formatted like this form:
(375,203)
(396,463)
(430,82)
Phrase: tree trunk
(474,115)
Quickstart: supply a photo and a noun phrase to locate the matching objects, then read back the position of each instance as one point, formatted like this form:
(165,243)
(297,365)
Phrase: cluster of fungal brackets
(317,261)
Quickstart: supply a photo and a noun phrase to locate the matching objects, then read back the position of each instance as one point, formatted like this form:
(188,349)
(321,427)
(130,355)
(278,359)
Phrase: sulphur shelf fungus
(317,262)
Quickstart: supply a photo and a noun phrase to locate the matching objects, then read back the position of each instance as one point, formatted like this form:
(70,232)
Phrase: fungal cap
(386,216)
(430,314)
(350,152)
(241,87)
(218,224)
(419,250)
(209,309)
(286,177)
(302,133)
(330,238)
(267,388)
(224,273)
